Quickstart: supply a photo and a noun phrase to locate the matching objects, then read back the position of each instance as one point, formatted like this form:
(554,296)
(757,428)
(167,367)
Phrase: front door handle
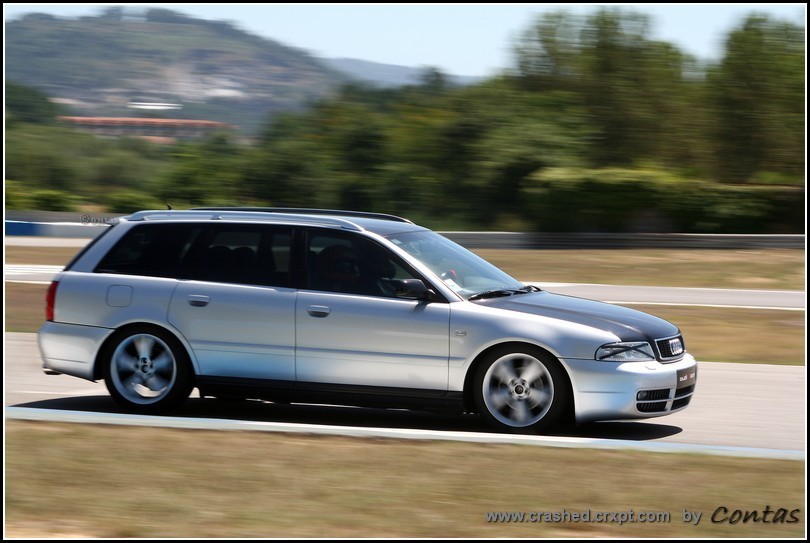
(318,311)
(198,300)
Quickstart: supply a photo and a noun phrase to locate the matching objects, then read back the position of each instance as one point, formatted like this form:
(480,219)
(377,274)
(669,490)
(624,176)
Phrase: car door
(352,330)
(237,307)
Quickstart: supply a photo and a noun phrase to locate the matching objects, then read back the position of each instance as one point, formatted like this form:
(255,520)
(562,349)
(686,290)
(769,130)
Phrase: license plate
(687,377)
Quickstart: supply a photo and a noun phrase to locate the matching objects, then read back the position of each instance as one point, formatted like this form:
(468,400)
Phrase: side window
(351,265)
(155,250)
(245,254)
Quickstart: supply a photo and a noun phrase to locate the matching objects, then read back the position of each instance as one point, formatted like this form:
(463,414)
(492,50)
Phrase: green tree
(759,97)
(28,105)
(36,156)
(640,103)
(202,173)
(287,172)
(547,53)
(621,100)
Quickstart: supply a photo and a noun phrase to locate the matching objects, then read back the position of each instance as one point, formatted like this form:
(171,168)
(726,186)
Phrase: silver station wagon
(313,306)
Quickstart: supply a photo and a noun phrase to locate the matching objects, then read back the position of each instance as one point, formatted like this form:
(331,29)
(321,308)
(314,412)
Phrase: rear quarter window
(87,247)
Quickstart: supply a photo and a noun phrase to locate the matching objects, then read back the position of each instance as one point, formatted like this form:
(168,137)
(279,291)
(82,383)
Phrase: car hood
(627,324)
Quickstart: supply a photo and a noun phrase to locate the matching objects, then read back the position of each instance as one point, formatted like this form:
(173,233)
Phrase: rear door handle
(198,300)
(318,311)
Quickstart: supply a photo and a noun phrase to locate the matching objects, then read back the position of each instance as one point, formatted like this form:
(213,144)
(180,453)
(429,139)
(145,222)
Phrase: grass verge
(752,269)
(757,336)
(25,307)
(51,256)
(73,480)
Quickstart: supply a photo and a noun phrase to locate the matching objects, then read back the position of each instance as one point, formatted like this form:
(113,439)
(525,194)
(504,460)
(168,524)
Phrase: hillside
(96,65)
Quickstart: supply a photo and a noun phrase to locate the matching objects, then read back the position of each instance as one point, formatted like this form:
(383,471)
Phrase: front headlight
(625,352)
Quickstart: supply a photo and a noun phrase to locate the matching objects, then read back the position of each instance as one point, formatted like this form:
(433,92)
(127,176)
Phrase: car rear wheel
(147,370)
(521,389)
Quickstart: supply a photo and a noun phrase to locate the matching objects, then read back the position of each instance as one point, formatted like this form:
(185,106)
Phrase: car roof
(381,224)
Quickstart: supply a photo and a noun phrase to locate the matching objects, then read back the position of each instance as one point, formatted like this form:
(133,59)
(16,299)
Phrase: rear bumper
(71,349)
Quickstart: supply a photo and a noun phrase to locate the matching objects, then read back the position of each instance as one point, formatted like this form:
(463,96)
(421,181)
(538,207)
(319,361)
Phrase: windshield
(463,271)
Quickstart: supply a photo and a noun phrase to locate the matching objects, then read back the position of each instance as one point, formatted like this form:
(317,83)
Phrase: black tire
(521,389)
(147,370)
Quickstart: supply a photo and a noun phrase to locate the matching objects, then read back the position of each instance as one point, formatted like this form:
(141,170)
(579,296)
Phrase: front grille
(665,349)
(652,407)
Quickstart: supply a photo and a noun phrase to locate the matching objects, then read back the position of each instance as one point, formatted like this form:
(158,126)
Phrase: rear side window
(244,254)
(155,250)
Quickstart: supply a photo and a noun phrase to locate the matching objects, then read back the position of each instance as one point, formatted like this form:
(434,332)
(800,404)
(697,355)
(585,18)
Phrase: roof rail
(239,214)
(309,211)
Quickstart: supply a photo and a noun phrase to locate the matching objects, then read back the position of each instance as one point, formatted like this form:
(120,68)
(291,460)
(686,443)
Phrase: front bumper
(630,390)
(70,348)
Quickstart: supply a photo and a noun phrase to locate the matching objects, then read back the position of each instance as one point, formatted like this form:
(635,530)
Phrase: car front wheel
(147,370)
(521,389)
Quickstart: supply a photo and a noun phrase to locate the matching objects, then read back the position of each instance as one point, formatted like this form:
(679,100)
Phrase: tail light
(50,300)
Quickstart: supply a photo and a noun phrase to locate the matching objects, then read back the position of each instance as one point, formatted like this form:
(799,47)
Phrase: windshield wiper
(501,292)
(497,293)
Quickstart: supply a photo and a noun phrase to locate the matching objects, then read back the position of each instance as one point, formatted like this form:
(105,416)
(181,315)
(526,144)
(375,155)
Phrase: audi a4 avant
(350,308)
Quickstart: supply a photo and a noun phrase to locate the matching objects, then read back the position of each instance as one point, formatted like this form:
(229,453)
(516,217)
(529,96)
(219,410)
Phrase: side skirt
(328,393)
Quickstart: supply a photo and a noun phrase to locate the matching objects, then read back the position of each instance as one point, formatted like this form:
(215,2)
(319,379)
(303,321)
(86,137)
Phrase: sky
(459,39)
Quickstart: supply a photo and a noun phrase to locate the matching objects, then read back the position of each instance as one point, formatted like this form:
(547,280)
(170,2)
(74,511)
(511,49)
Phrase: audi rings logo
(675,346)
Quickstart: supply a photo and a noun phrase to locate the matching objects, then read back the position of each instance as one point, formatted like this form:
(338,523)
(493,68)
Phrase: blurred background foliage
(597,128)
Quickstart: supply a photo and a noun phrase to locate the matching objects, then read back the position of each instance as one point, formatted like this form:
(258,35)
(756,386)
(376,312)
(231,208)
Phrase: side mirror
(413,289)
